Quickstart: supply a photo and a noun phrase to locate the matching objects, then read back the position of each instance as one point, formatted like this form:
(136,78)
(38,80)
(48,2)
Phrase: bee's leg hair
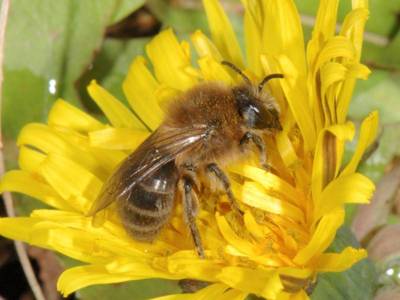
(226,184)
(257,140)
(190,213)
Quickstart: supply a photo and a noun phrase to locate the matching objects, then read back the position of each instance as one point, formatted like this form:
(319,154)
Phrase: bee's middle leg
(189,210)
(226,184)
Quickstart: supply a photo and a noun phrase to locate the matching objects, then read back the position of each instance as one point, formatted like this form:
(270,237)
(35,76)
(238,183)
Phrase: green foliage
(137,290)
(64,42)
(357,283)
(51,41)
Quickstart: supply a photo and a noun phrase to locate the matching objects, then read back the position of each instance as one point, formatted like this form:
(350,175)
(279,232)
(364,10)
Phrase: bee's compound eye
(255,114)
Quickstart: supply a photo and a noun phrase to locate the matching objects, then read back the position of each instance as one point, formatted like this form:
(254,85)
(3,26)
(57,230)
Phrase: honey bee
(204,129)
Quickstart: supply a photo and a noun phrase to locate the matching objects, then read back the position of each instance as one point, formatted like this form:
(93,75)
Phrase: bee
(205,129)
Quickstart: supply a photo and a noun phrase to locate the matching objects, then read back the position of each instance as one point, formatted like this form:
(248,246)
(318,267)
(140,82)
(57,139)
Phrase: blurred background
(54,48)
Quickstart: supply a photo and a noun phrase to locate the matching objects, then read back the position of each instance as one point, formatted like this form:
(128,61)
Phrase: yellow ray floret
(291,213)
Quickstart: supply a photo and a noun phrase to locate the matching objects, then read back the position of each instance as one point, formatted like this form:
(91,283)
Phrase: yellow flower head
(290,216)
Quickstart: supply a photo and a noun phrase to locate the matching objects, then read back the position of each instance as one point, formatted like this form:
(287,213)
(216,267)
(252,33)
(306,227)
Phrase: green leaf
(380,92)
(110,68)
(137,290)
(125,7)
(357,283)
(383,14)
(49,44)
(186,17)
(181,19)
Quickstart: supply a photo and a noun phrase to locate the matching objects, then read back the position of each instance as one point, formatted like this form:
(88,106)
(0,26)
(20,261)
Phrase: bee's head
(255,111)
(257,108)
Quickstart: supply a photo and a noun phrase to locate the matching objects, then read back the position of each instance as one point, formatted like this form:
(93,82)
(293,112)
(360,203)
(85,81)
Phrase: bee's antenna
(268,78)
(237,70)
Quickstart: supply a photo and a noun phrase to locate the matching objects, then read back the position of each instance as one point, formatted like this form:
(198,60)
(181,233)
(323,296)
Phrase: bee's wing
(160,148)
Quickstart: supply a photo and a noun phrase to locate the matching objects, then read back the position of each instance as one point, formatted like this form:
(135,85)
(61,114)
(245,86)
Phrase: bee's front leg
(226,184)
(258,141)
(190,211)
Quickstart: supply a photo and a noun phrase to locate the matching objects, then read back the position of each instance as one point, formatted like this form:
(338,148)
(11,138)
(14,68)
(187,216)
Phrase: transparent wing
(157,150)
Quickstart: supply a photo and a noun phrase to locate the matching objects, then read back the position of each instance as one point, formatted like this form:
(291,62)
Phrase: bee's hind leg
(226,184)
(189,209)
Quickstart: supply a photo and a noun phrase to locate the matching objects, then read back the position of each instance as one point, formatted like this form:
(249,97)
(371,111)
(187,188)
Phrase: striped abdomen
(150,203)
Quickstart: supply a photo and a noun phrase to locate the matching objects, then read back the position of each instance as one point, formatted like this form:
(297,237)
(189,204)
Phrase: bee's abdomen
(150,204)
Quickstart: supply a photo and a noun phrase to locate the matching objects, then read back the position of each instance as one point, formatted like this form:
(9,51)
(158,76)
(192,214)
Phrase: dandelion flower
(291,215)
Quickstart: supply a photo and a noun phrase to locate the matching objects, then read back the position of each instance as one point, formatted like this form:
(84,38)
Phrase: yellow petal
(286,149)
(288,42)
(256,230)
(353,188)
(48,140)
(359,4)
(300,295)
(354,23)
(297,97)
(77,278)
(328,156)
(78,244)
(254,196)
(117,113)
(205,47)
(187,264)
(171,62)
(213,291)
(117,138)
(346,93)
(108,159)
(233,239)
(335,47)
(138,268)
(368,131)
(331,74)
(73,183)
(253,28)
(140,87)
(165,94)
(212,70)
(19,229)
(321,238)
(73,236)
(66,115)
(324,27)
(85,238)
(270,65)
(232,295)
(29,184)
(30,159)
(270,182)
(222,33)
(299,273)
(339,262)
(264,283)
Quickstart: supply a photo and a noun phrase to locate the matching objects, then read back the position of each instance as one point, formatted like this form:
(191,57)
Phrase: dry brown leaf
(370,217)
(385,244)
(391,293)
(50,270)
